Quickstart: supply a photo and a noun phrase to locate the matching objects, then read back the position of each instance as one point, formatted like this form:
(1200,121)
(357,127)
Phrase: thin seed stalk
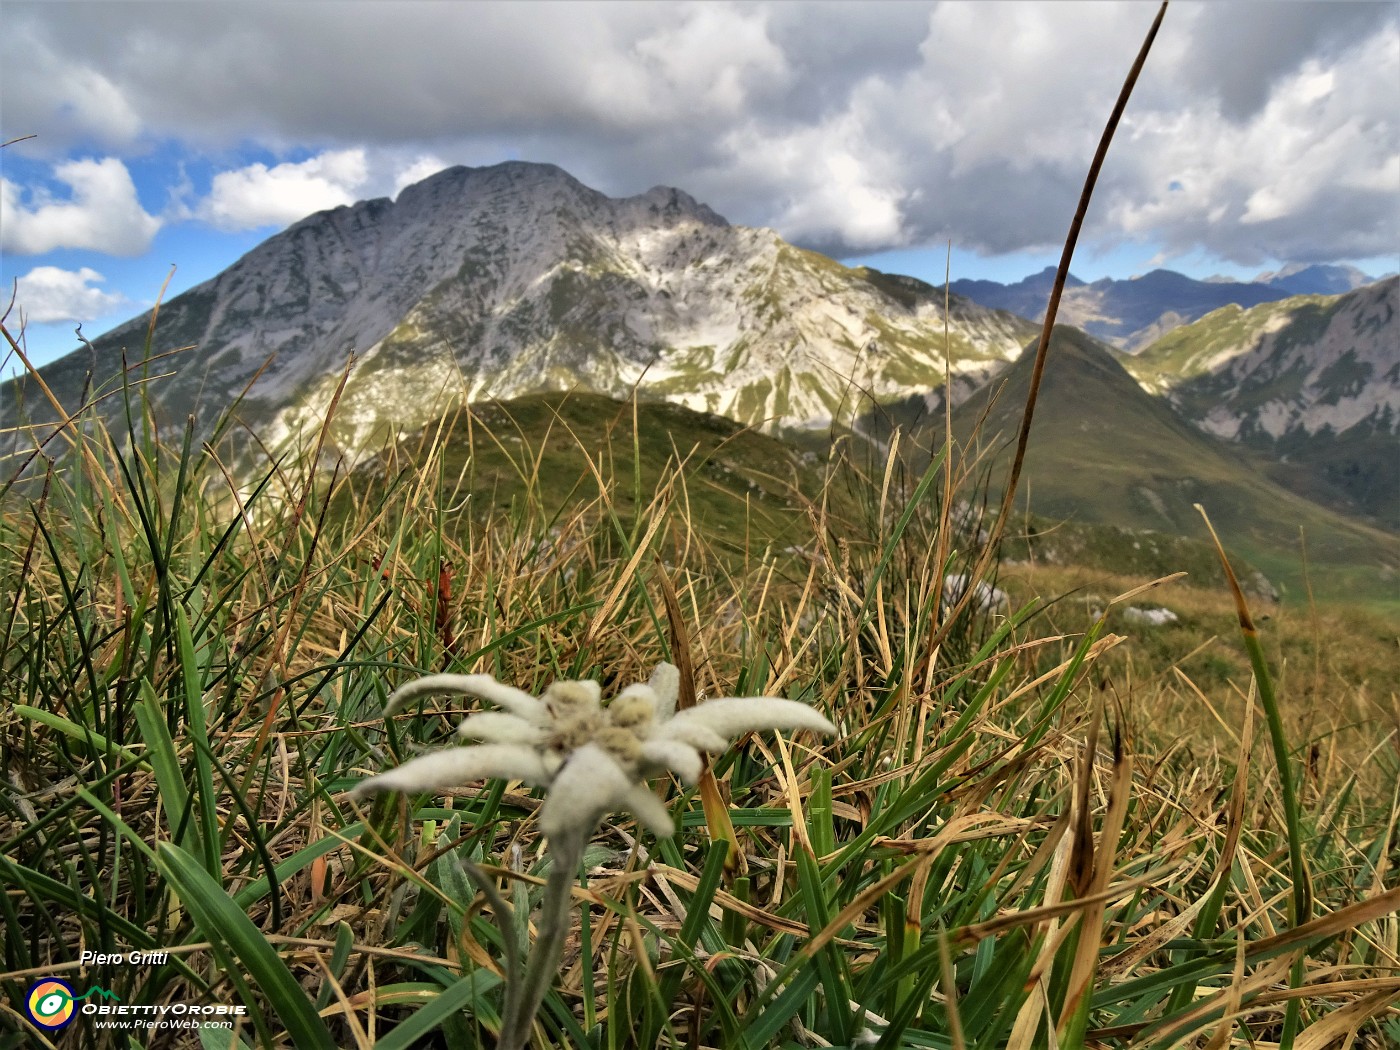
(504,922)
(1301,903)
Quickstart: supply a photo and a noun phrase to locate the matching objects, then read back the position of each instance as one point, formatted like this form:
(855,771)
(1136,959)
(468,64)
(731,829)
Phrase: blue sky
(182,134)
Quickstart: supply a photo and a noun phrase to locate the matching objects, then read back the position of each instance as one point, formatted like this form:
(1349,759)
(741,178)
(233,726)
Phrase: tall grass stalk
(1042,350)
(1301,910)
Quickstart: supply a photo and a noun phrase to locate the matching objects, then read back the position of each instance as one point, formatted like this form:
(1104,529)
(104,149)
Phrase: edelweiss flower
(592,758)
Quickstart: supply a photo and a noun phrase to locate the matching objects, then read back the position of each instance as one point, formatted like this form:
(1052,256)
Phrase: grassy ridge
(1103,451)
(994,848)
(743,490)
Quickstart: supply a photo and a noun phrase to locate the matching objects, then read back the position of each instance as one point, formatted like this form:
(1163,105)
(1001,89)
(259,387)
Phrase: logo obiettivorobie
(50,1003)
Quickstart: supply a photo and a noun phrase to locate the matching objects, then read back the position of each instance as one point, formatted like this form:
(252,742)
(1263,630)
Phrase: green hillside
(1189,350)
(745,490)
(1104,451)
(1115,465)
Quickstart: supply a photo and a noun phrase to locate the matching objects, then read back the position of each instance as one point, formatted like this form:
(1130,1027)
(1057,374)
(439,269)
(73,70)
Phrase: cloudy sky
(186,132)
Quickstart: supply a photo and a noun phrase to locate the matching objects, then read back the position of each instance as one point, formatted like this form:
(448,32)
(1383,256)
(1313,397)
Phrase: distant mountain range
(1301,279)
(1132,314)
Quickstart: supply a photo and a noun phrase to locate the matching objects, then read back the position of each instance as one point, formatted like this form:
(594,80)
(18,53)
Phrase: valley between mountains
(1279,412)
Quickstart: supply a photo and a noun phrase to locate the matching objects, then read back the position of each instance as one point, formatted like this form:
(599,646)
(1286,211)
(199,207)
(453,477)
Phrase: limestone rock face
(495,282)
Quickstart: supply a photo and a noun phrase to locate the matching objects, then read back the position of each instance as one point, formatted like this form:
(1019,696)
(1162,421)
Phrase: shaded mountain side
(1315,279)
(1311,382)
(1357,472)
(1102,450)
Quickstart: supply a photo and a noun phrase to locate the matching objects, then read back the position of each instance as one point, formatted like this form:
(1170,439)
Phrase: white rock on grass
(985,597)
(1157,617)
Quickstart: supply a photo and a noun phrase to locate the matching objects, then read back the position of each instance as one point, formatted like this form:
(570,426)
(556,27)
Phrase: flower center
(578,719)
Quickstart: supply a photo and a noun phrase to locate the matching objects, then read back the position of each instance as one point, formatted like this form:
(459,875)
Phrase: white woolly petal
(733,716)
(516,701)
(589,784)
(570,692)
(666,683)
(650,811)
(497,727)
(698,736)
(681,758)
(454,766)
(639,689)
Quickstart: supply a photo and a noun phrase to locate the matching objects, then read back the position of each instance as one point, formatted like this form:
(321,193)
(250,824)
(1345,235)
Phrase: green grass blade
(244,949)
(469,991)
(205,797)
(170,780)
(74,731)
(340,956)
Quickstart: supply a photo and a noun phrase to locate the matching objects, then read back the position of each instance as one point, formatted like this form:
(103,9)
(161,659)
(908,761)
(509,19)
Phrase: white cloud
(257,195)
(1314,173)
(47,294)
(830,183)
(102,212)
(716,59)
(58,100)
(981,134)
(847,126)
(417,171)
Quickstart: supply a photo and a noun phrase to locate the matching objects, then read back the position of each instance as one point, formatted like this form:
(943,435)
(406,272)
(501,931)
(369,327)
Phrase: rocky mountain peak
(669,202)
(515,278)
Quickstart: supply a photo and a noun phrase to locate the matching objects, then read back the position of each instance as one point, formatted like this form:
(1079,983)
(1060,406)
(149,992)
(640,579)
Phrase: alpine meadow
(506,615)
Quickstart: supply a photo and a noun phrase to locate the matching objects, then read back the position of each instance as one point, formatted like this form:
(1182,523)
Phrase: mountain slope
(1102,450)
(1127,314)
(500,281)
(1311,381)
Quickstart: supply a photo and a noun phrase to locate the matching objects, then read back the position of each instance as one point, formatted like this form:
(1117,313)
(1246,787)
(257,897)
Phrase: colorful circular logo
(50,1003)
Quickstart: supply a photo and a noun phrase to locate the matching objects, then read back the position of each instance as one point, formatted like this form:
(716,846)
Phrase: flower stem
(524,1001)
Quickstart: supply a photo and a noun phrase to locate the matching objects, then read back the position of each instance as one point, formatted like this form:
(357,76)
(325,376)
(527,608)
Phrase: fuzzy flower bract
(593,758)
